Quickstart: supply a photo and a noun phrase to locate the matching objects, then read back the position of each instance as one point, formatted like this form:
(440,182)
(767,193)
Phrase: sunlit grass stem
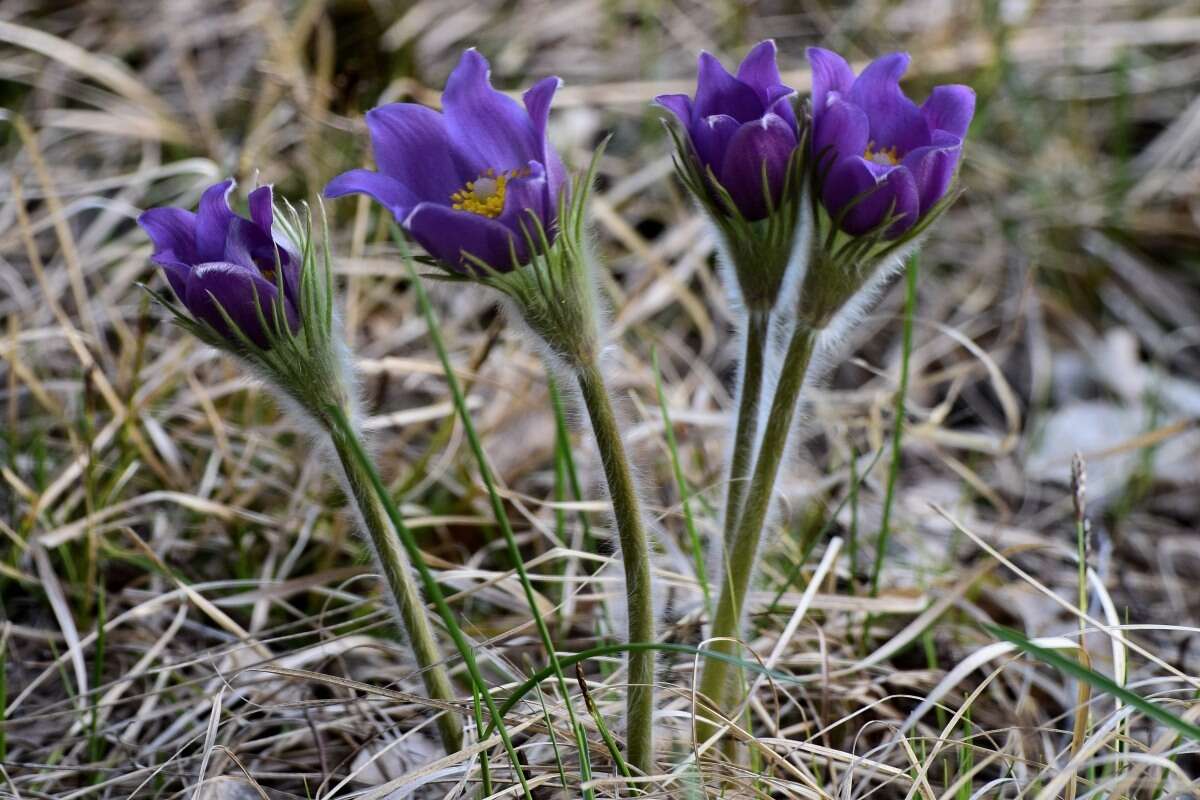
(743,552)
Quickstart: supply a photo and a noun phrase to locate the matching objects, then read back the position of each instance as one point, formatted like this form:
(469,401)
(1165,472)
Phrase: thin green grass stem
(685,495)
(489,481)
(885,524)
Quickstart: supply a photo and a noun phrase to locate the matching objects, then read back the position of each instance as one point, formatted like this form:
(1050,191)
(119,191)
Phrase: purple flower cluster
(471,182)
(740,127)
(881,151)
(214,256)
(478,184)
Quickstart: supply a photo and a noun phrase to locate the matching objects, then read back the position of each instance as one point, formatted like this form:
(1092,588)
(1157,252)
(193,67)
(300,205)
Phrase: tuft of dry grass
(184,611)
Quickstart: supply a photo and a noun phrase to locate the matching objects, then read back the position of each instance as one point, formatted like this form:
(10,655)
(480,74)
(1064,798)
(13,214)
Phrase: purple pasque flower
(216,256)
(465,181)
(736,124)
(877,147)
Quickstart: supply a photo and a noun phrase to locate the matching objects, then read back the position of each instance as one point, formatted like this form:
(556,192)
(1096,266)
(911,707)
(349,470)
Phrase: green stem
(885,524)
(714,682)
(635,555)
(404,589)
(489,481)
(361,474)
(749,395)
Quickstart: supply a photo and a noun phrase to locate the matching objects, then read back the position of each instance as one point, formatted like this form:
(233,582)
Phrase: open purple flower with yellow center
(879,153)
(216,260)
(740,128)
(470,184)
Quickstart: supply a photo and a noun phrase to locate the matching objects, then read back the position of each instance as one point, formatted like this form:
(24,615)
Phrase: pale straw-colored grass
(185,612)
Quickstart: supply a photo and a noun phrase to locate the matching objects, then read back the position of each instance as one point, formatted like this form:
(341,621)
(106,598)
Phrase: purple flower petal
(262,211)
(877,189)
(173,232)
(895,120)
(212,222)
(446,234)
(240,292)
(523,195)
(413,146)
(950,109)
(537,104)
(678,104)
(251,247)
(390,193)
(710,138)
(933,167)
(768,141)
(780,101)
(758,69)
(844,131)
(830,73)
(718,92)
(177,273)
(486,122)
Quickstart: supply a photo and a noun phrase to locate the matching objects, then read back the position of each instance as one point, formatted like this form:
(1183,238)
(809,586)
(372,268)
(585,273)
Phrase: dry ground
(185,611)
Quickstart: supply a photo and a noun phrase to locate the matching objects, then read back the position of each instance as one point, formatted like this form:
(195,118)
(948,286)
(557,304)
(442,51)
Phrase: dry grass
(185,612)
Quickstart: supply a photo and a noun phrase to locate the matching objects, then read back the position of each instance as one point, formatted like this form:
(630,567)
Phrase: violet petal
(768,141)
(446,234)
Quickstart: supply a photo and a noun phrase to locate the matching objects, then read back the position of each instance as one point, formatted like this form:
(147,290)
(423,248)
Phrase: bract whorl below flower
(467,183)
(214,256)
(739,125)
(878,152)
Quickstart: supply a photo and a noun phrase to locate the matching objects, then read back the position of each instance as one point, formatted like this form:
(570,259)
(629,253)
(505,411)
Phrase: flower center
(885,156)
(485,194)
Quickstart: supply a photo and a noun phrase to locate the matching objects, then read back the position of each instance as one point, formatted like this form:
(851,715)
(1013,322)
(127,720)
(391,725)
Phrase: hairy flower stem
(714,682)
(746,432)
(635,555)
(400,581)
(351,451)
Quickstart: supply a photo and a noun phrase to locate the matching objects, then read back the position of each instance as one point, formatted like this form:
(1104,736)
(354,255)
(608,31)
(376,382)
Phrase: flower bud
(223,267)
(742,131)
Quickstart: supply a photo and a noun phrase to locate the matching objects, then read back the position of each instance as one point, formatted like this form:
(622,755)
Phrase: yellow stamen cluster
(886,156)
(485,194)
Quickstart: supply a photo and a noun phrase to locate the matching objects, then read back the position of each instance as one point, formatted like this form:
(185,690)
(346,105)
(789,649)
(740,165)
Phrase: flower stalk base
(402,585)
(635,556)
(742,554)
(746,433)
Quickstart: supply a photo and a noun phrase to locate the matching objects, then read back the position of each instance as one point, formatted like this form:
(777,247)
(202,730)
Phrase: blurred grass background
(184,607)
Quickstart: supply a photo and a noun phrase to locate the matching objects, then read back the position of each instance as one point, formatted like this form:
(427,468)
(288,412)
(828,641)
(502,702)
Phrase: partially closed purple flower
(738,124)
(465,181)
(216,256)
(877,147)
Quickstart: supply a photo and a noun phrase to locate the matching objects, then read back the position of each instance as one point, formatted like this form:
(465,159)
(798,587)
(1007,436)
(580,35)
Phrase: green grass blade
(885,524)
(685,495)
(485,471)
(1097,681)
(338,419)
